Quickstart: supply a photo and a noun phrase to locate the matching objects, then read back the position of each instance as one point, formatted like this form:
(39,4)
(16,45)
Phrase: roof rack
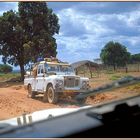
(51,59)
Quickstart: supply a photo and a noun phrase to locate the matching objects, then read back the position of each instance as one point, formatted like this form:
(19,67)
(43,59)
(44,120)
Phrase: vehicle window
(41,69)
(52,68)
(66,69)
(38,70)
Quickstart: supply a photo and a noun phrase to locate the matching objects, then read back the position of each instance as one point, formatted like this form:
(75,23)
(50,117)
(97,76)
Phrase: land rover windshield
(66,69)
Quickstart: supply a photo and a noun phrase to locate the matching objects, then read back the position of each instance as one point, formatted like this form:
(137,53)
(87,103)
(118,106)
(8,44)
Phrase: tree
(115,54)
(28,34)
(4,68)
(135,58)
(11,40)
(39,24)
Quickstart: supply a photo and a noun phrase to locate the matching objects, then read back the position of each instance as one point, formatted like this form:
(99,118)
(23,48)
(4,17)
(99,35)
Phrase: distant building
(85,66)
(98,61)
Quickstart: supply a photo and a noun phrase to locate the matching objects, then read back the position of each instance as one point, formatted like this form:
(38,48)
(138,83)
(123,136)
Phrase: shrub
(4,68)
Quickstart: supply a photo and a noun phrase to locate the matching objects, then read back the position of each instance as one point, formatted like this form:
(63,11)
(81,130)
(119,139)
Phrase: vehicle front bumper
(71,91)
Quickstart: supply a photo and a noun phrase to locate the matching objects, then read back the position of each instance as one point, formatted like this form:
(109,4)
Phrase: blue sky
(85,27)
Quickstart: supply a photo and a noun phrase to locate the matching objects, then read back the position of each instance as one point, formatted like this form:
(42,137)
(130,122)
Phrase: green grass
(117,76)
(109,72)
(8,76)
(134,87)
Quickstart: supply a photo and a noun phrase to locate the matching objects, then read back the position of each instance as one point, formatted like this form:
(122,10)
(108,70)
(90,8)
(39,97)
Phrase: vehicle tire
(31,94)
(45,97)
(52,96)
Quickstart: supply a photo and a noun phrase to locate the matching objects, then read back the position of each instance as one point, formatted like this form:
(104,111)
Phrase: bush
(4,68)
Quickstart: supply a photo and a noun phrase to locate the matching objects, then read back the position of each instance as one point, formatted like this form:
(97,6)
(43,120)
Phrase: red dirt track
(14,100)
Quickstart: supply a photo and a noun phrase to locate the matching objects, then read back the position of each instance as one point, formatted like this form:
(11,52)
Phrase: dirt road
(14,100)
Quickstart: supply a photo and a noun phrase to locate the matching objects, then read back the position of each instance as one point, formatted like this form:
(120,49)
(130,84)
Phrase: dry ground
(14,100)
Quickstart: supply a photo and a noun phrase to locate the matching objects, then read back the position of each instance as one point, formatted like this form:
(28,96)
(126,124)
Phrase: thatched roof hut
(85,64)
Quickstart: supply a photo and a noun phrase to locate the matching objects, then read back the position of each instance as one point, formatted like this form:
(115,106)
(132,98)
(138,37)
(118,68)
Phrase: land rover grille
(71,82)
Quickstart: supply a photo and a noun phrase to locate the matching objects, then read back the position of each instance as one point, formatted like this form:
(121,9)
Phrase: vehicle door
(40,78)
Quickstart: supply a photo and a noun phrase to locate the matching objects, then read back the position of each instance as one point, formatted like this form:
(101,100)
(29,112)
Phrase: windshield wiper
(126,81)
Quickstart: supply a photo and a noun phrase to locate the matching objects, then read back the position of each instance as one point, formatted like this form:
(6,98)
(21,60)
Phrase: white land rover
(55,79)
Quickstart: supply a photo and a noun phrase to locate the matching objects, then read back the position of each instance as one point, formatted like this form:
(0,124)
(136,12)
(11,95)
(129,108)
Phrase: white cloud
(86,27)
(97,29)
(90,23)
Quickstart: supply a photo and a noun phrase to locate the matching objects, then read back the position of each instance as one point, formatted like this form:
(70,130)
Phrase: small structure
(98,61)
(84,66)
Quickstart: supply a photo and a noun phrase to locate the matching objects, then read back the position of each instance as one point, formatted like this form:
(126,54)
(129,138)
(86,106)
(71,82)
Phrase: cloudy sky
(85,27)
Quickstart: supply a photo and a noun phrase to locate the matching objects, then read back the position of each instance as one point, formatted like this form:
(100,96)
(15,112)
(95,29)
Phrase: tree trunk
(114,66)
(22,71)
(126,68)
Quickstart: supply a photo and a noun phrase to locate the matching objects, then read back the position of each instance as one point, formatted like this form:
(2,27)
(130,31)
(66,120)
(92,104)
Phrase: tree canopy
(115,54)
(28,34)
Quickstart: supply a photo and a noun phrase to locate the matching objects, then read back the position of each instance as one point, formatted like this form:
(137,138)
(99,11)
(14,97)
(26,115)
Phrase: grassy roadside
(8,76)
(117,76)
(104,76)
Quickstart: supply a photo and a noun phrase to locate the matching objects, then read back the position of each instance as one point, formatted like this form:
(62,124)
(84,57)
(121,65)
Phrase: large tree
(11,39)
(39,24)
(28,34)
(115,54)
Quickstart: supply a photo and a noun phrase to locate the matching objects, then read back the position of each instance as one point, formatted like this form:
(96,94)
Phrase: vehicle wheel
(52,96)
(81,101)
(31,94)
(45,97)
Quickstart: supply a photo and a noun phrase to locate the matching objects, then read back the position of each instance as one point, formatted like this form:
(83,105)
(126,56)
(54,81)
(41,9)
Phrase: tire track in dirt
(14,100)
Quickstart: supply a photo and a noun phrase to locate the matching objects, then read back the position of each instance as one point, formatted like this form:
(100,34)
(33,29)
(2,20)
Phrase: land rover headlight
(85,84)
(59,83)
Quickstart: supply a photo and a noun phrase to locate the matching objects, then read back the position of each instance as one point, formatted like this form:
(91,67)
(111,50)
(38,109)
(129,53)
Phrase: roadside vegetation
(4,68)
(9,76)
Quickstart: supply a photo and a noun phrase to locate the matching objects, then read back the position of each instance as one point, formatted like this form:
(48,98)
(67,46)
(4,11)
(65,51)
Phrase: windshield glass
(52,68)
(66,69)
(59,68)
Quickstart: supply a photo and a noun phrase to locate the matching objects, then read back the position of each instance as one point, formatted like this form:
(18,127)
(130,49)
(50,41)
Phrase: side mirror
(43,74)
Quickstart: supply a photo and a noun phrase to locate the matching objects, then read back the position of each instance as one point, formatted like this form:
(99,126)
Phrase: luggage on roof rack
(51,59)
